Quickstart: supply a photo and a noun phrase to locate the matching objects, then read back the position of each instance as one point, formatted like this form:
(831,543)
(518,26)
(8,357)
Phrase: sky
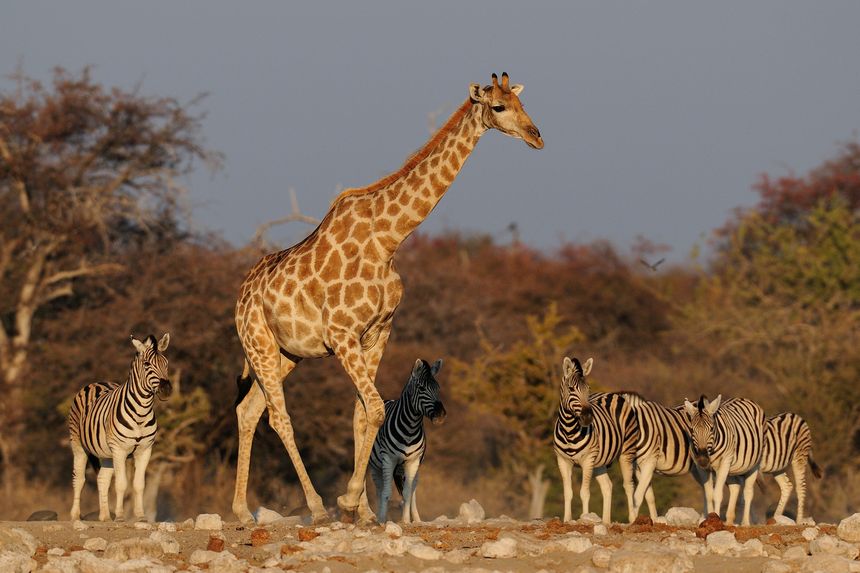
(658,117)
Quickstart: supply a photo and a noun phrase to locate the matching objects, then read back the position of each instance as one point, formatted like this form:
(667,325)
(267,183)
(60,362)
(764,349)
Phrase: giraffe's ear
(476,93)
(436,367)
(165,340)
(517,89)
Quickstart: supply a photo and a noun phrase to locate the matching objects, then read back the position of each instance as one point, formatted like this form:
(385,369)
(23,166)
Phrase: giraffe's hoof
(321,518)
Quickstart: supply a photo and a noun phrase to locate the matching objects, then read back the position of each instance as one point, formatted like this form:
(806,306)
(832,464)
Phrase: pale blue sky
(657,116)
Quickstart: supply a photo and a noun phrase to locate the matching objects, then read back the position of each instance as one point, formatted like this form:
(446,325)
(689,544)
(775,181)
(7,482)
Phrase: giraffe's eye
(498,108)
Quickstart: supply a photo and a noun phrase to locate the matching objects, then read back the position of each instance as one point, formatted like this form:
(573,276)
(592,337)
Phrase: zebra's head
(424,390)
(701,416)
(574,389)
(151,365)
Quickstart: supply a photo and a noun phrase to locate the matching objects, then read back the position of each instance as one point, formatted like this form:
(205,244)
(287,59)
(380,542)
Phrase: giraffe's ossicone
(336,291)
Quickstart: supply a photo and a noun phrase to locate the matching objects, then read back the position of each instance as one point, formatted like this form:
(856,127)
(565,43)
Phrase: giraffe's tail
(243,383)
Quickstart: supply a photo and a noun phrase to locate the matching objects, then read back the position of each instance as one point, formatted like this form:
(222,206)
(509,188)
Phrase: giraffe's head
(501,109)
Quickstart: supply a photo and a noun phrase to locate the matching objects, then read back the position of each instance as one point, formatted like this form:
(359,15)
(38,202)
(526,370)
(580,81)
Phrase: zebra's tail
(399,478)
(243,383)
(816,471)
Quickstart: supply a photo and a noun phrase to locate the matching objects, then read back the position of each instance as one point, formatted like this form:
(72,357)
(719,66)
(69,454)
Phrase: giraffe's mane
(415,158)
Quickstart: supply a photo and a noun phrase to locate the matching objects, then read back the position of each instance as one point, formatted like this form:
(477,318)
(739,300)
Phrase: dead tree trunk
(539,488)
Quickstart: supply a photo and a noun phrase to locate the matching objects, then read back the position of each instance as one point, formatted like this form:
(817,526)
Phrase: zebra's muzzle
(703,460)
(165,388)
(586,416)
(438,415)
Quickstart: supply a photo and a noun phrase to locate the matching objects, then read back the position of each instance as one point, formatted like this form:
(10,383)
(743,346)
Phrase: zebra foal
(592,431)
(110,421)
(400,444)
(727,439)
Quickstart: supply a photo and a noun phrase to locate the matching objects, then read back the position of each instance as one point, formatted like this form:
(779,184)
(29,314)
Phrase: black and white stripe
(663,447)
(400,444)
(727,439)
(593,430)
(109,421)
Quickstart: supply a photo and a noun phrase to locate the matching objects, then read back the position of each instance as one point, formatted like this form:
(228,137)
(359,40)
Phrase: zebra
(727,439)
(787,441)
(593,431)
(664,447)
(400,444)
(110,421)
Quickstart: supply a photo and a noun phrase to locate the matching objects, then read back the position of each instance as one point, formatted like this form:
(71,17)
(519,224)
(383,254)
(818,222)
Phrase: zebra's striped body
(593,431)
(728,440)
(663,447)
(787,442)
(400,444)
(109,421)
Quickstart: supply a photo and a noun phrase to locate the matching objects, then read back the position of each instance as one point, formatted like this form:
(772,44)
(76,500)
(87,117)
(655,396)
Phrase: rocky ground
(681,542)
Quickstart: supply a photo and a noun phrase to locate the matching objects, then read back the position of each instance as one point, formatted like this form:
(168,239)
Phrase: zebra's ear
(586,368)
(567,368)
(419,366)
(689,409)
(436,367)
(712,407)
(138,345)
(165,340)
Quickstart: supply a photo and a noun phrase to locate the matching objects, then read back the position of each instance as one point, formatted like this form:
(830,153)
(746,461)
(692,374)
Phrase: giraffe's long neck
(401,205)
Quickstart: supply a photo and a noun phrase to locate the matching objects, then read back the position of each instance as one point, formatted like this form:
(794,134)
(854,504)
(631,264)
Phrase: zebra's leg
(749,492)
(120,483)
(731,508)
(799,468)
(652,503)
(644,475)
(79,468)
(415,517)
(565,468)
(605,484)
(141,460)
(719,482)
(384,493)
(585,485)
(625,463)
(784,484)
(410,470)
(103,481)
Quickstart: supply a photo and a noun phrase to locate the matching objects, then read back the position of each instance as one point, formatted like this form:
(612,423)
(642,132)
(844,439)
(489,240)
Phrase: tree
(83,169)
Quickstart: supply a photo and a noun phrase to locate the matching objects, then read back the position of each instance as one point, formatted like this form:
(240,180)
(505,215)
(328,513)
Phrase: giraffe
(336,291)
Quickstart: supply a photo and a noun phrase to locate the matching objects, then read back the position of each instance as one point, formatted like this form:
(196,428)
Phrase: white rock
(776,566)
(504,548)
(826,563)
(810,533)
(783,520)
(574,543)
(265,516)
(721,542)
(751,548)
(168,526)
(89,563)
(202,556)
(133,548)
(168,544)
(849,528)
(53,527)
(471,512)
(656,561)
(683,517)
(142,525)
(458,556)
(95,544)
(590,519)
(11,562)
(80,526)
(601,556)
(425,552)
(661,520)
(833,546)
(208,521)
(392,528)
(143,566)
(795,552)
(56,551)
(395,547)
(187,524)
(600,529)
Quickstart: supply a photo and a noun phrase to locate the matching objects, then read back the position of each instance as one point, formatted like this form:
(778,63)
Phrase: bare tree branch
(295,215)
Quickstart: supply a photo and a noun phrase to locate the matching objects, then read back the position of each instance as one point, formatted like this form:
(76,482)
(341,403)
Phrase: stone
(600,529)
(208,521)
(80,526)
(142,525)
(721,542)
(709,525)
(833,546)
(202,556)
(393,529)
(471,512)
(11,562)
(601,556)
(795,552)
(751,548)
(95,544)
(826,563)
(849,529)
(630,560)
(783,520)
(260,536)
(683,517)
(810,533)
(56,551)
(574,543)
(504,548)
(168,526)
(168,544)
(43,515)
(133,548)
(425,552)
(266,516)
(458,556)
(776,566)
(590,518)
(215,544)
(16,540)
(395,547)
(187,524)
